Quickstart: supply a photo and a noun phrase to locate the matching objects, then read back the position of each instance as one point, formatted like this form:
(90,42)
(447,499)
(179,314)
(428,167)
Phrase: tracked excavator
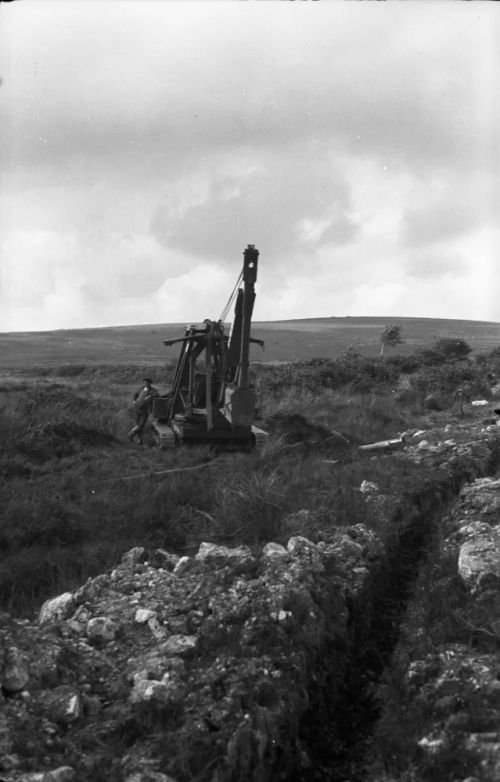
(212,400)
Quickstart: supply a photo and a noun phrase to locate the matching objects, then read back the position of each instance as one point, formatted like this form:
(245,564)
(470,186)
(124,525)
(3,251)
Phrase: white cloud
(146,144)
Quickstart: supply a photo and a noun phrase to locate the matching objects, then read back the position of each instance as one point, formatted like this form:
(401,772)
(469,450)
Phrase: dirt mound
(60,439)
(295,428)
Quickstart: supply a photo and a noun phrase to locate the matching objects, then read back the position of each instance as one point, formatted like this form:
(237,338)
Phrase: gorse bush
(359,373)
(451,379)
(446,349)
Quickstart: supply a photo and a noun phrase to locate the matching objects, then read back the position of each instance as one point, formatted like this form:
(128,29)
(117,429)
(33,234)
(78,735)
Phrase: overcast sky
(145,144)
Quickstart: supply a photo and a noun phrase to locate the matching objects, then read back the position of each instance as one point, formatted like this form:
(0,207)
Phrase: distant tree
(391,336)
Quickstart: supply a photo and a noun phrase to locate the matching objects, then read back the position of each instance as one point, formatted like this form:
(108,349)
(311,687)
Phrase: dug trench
(339,729)
(231,665)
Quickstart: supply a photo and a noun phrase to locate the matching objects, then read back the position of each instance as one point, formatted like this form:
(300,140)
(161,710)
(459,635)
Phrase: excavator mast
(212,400)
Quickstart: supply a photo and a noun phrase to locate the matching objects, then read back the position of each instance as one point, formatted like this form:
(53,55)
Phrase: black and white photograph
(249,391)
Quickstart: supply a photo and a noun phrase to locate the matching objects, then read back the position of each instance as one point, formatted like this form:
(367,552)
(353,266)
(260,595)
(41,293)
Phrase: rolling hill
(287,340)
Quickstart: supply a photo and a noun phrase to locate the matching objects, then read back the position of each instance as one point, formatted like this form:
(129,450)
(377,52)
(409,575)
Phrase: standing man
(143,404)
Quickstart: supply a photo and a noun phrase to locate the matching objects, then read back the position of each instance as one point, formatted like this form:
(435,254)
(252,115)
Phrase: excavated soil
(232,665)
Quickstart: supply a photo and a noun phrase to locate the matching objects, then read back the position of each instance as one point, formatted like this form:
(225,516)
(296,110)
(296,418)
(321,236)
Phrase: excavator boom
(211,399)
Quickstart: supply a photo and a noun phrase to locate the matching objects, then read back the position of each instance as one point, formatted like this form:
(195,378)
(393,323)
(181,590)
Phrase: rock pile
(452,687)
(210,654)
(172,668)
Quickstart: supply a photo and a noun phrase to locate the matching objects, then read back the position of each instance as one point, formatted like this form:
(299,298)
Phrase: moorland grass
(75,494)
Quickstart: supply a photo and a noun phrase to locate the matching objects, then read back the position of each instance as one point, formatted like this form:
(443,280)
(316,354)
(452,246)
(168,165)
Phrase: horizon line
(254,323)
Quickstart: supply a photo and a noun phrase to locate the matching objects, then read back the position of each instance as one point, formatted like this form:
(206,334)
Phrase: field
(291,340)
(76,494)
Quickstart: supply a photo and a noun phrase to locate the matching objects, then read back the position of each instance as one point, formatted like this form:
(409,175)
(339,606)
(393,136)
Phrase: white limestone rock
(143,615)
(208,552)
(169,690)
(156,628)
(56,608)
(368,487)
(184,565)
(299,545)
(274,551)
(479,559)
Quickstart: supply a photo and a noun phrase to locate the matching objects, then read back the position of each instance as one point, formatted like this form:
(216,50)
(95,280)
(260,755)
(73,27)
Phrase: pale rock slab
(56,608)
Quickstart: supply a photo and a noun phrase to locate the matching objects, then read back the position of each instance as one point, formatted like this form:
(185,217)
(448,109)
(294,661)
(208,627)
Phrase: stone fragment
(169,690)
(343,548)
(274,551)
(420,671)
(184,565)
(156,628)
(208,552)
(431,745)
(92,588)
(78,621)
(56,608)
(143,615)
(368,487)
(423,444)
(61,774)
(156,665)
(281,616)
(134,556)
(101,629)
(479,559)
(474,530)
(299,545)
(62,704)
(179,645)
(15,674)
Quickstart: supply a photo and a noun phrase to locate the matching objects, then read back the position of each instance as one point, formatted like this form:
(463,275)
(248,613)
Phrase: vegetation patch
(76,496)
